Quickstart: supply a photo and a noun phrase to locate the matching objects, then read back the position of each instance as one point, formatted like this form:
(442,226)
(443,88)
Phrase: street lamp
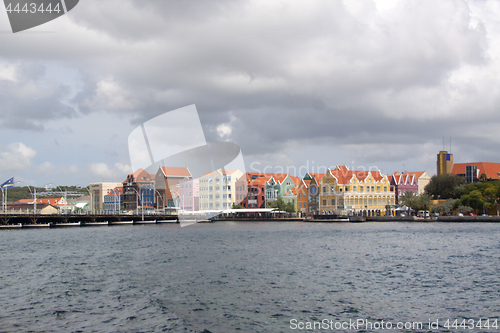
(33,196)
(136,200)
(90,195)
(162,200)
(115,194)
(65,195)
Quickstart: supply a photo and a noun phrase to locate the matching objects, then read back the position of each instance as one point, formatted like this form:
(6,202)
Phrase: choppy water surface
(247,277)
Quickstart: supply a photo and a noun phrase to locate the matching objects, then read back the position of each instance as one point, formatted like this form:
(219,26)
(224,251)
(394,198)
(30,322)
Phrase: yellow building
(444,163)
(349,192)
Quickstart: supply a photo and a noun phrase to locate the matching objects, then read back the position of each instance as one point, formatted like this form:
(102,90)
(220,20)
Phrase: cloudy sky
(296,84)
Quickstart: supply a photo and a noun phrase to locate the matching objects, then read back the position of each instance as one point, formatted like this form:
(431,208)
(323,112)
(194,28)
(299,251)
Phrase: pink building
(404,182)
(189,194)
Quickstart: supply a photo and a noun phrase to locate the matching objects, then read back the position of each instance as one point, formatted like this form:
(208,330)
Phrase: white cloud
(7,71)
(109,95)
(317,72)
(224,130)
(16,157)
(104,173)
(46,169)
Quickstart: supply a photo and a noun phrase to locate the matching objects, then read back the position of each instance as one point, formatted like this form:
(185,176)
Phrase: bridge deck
(26,219)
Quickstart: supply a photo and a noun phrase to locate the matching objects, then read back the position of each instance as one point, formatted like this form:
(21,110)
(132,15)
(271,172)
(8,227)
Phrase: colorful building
(348,192)
(217,189)
(279,184)
(291,197)
(444,163)
(189,194)
(97,193)
(166,185)
(113,201)
(414,182)
(250,189)
(303,197)
(474,171)
(138,191)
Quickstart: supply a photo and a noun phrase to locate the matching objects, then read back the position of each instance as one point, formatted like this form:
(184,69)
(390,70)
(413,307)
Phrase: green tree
(237,206)
(290,207)
(278,203)
(423,202)
(445,207)
(408,199)
(474,199)
(464,209)
(415,202)
(445,186)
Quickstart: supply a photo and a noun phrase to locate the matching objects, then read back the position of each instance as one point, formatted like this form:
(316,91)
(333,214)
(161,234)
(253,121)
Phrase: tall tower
(444,163)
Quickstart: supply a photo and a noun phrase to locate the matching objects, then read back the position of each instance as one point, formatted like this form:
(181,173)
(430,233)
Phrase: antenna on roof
(450,144)
(443,143)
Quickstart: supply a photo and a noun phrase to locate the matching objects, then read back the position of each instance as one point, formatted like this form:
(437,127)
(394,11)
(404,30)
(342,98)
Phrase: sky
(298,85)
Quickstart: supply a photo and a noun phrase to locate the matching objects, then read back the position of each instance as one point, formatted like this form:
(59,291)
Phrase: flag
(8,184)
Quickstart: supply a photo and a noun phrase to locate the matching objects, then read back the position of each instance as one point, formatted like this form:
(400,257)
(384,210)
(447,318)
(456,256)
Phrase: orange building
(303,197)
(474,171)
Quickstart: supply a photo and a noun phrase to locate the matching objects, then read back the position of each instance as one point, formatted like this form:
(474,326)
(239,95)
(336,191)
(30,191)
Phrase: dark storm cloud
(27,100)
(281,73)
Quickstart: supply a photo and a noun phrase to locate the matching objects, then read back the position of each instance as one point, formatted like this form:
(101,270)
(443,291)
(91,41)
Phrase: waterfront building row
(338,191)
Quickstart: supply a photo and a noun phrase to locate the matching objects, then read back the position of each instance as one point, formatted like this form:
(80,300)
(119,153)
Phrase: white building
(217,189)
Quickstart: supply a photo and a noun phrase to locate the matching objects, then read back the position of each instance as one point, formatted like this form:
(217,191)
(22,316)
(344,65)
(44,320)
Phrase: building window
(313,190)
(324,202)
(328,180)
(324,189)
(333,202)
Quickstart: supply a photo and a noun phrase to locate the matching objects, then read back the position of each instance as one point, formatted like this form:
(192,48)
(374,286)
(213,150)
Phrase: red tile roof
(116,191)
(295,179)
(316,175)
(406,177)
(492,170)
(176,172)
(48,201)
(344,175)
